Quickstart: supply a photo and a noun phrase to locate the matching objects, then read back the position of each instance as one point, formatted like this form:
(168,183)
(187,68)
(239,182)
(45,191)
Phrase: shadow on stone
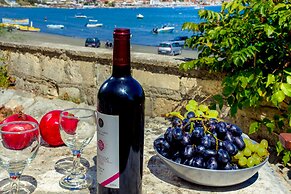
(161,171)
(65,165)
(27,184)
(186,59)
(93,172)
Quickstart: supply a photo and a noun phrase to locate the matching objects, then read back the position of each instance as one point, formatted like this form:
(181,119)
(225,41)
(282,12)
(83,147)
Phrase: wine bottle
(120,125)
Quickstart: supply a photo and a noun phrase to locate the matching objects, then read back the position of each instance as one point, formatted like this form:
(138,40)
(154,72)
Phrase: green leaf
(279,5)
(279,148)
(286,157)
(244,82)
(254,127)
(289,79)
(270,80)
(286,88)
(233,109)
(278,97)
(271,126)
(218,98)
(227,91)
(269,30)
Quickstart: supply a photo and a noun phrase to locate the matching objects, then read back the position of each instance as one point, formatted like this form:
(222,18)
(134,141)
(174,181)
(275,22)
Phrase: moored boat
(29,28)
(55,26)
(80,16)
(164,29)
(94,25)
(91,20)
(139,16)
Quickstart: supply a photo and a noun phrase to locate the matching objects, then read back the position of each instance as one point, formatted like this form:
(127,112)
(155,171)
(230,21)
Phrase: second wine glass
(77,128)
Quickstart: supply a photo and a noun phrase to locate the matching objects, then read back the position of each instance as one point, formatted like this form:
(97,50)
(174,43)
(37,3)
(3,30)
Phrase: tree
(249,40)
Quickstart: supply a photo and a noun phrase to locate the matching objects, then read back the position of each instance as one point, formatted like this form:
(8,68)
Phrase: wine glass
(19,144)
(77,128)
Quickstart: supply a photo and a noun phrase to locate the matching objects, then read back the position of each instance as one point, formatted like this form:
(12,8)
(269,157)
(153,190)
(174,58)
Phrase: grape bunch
(253,154)
(201,140)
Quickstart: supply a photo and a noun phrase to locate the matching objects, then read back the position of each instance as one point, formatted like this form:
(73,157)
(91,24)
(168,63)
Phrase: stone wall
(54,70)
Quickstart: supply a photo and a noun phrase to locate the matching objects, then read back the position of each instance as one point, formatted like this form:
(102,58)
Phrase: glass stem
(14,183)
(76,162)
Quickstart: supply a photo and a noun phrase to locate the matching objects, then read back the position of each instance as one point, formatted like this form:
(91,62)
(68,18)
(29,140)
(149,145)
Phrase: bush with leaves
(250,40)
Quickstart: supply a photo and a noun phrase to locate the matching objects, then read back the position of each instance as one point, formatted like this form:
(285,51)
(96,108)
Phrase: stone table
(157,178)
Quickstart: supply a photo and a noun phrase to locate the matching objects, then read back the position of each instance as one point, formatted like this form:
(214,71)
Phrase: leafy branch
(249,40)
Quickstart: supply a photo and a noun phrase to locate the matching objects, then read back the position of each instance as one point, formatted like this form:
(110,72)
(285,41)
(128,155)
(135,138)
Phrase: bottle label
(108,150)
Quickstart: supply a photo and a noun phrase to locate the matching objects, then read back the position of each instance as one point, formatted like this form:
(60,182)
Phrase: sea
(141,29)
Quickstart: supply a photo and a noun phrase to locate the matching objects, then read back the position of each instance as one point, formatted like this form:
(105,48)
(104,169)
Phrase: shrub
(249,40)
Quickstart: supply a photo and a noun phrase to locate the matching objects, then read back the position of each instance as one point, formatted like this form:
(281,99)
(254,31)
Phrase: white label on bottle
(108,150)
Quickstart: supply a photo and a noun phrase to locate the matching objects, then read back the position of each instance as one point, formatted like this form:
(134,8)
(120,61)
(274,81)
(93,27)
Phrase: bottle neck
(121,57)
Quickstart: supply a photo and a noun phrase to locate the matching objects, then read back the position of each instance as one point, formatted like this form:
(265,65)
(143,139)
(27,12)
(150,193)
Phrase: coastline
(27,37)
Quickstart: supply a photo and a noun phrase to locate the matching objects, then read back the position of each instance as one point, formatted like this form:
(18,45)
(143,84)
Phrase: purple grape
(188,151)
(230,148)
(198,162)
(169,135)
(205,141)
(178,134)
(190,115)
(235,130)
(186,140)
(197,134)
(212,140)
(209,153)
(227,166)
(228,136)
(212,163)
(223,156)
(176,122)
(239,142)
(200,149)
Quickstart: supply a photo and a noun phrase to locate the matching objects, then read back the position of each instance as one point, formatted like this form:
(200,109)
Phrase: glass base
(76,182)
(65,165)
(26,186)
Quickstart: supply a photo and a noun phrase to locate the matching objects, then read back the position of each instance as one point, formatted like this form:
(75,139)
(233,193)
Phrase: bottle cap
(121,33)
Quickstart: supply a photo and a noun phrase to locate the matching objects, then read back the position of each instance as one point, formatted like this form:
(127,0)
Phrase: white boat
(90,20)
(80,16)
(139,16)
(94,25)
(199,7)
(164,29)
(55,26)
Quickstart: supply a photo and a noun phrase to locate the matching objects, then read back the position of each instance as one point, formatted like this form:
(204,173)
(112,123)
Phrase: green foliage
(250,40)
(4,78)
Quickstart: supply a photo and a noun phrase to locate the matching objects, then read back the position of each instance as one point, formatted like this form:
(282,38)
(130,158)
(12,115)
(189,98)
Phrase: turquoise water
(111,18)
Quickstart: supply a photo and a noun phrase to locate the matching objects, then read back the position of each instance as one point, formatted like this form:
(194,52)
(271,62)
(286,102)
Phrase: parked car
(169,48)
(93,42)
(180,39)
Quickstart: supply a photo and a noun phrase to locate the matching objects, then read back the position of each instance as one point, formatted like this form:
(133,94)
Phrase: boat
(198,7)
(90,20)
(29,28)
(164,29)
(55,26)
(139,16)
(80,16)
(94,25)
(15,21)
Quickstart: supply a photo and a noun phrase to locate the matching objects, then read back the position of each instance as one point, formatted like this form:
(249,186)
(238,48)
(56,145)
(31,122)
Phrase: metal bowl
(207,177)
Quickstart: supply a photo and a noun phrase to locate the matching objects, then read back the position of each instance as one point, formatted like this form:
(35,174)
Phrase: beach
(28,37)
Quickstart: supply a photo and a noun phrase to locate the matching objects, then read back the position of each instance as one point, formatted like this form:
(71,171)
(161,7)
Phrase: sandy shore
(26,37)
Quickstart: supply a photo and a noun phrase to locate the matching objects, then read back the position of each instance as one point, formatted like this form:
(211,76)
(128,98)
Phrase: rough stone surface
(157,178)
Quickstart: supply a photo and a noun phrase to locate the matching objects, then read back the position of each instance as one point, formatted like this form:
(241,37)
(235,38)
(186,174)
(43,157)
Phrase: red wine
(120,121)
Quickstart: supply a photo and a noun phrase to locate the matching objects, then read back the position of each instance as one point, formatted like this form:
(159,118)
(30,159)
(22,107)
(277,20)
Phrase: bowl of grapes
(203,149)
